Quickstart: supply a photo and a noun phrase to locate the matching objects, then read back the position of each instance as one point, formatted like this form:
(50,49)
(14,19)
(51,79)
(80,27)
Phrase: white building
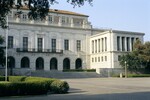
(64,40)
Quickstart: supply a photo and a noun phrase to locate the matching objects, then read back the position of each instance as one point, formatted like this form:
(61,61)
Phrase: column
(71,22)
(60,19)
(46,21)
(120,43)
(84,24)
(94,47)
(102,44)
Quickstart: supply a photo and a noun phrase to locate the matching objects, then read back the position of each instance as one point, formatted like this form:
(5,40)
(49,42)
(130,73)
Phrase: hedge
(60,86)
(79,70)
(16,78)
(21,85)
(2,78)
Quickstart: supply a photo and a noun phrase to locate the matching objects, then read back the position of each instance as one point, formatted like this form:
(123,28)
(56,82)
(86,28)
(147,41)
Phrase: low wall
(108,72)
(16,71)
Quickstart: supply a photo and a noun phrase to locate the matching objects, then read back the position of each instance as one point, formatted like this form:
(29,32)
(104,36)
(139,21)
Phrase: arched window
(39,63)
(78,64)
(66,64)
(11,62)
(53,64)
(25,62)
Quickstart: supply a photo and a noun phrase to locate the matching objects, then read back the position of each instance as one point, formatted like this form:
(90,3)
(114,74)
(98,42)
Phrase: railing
(39,22)
(36,50)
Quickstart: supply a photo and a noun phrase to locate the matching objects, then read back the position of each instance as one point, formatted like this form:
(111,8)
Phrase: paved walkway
(99,89)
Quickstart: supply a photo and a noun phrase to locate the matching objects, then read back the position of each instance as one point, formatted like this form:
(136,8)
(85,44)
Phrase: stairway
(64,75)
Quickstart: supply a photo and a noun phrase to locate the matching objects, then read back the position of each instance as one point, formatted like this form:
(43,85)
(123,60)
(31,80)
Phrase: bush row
(21,85)
(80,70)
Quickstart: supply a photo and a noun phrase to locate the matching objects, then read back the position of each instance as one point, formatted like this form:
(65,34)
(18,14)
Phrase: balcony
(59,24)
(35,50)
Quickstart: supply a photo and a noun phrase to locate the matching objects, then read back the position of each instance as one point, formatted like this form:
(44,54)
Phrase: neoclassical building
(64,40)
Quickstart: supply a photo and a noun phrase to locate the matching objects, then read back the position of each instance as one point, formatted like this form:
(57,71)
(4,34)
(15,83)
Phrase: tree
(37,8)
(138,58)
(2,53)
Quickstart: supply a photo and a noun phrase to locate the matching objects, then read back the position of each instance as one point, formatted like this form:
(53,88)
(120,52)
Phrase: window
(119,57)
(95,59)
(54,45)
(10,41)
(92,59)
(92,46)
(128,44)
(102,58)
(66,44)
(24,16)
(123,43)
(40,44)
(95,46)
(118,43)
(50,18)
(63,20)
(98,45)
(105,43)
(102,44)
(78,45)
(105,58)
(132,42)
(25,43)
(98,59)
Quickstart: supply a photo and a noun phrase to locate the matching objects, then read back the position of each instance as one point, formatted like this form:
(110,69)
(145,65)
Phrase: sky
(126,15)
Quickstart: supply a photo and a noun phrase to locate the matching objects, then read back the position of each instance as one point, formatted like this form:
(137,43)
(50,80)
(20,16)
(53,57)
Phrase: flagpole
(6,74)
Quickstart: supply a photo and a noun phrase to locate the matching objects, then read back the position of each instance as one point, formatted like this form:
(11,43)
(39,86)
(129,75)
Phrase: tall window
(99,45)
(95,46)
(118,43)
(102,44)
(128,44)
(78,45)
(132,42)
(10,41)
(50,18)
(63,19)
(105,43)
(92,46)
(24,16)
(66,44)
(105,58)
(53,45)
(25,43)
(123,43)
(40,44)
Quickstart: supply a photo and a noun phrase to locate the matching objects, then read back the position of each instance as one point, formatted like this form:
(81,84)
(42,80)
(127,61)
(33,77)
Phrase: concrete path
(99,89)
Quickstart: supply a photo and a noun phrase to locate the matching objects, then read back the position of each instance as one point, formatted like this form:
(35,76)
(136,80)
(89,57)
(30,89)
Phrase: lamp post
(6,48)
(125,69)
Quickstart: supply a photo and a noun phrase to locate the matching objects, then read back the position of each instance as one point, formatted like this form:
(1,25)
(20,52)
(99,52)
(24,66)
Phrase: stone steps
(63,75)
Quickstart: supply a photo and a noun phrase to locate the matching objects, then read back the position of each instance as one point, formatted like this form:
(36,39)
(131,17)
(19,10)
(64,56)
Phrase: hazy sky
(127,15)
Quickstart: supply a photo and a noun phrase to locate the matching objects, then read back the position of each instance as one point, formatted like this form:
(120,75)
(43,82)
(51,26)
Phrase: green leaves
(138,58)
(38,8)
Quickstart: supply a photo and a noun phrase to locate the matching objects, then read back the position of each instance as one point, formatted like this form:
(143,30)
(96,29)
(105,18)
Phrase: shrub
(80,70)
(16,78)
(21,85)
(2,78)
(59,86)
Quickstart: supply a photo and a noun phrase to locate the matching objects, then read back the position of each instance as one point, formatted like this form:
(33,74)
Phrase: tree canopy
(138,58)
(36,7)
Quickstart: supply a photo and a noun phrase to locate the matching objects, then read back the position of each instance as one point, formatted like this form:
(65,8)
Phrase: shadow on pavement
(72,96)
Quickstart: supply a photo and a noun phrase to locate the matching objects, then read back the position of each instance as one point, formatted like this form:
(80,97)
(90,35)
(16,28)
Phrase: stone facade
(64,40)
